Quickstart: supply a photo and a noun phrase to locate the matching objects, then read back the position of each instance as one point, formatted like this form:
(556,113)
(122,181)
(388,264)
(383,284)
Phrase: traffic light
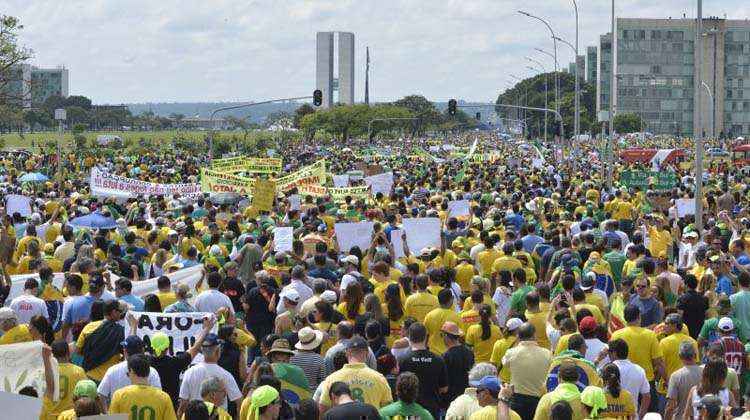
(479,116)
(452,107)
(317,97)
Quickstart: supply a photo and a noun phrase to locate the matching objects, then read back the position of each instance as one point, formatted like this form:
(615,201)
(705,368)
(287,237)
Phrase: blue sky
(221,50)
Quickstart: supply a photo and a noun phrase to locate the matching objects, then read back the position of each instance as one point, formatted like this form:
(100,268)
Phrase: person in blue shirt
(530,239)
(123,291)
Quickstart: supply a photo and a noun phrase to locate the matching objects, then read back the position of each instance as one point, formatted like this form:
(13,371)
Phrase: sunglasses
(641,286)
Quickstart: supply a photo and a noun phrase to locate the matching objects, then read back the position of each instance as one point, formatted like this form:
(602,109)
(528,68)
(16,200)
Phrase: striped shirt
(312,365)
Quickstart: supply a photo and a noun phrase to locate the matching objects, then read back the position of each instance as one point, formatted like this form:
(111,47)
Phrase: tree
(11,55)
(76,114)
(79,101)
(300,112)
(427,115)
(628,123)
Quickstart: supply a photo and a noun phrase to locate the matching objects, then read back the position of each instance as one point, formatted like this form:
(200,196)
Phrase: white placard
(537,163)
(422,232)
(105,184)
(295,203)
(354,234)
(17,203)
(341,181)
(459,208)
(22,365)
(282,239)
(397,241)
(380,183)
(182,328)
(20,407)
(685,206)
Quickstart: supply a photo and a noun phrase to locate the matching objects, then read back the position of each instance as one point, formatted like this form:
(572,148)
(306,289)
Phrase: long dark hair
(353,297)
(393,299)
(41,324)
(611,379)
(714,374)
(485,313)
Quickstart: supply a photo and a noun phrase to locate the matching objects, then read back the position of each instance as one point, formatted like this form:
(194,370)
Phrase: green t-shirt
(616,260)
(518,299)
(399,410)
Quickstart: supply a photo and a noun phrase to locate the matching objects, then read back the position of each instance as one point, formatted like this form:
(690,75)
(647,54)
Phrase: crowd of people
(554,298)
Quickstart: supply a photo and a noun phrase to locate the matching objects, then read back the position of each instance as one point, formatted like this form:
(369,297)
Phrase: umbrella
(94,220)
(33,177)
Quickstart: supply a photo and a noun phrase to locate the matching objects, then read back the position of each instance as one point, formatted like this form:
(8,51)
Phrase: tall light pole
(698,115)
(557,87)
(554,44)
(713,108)
(577,110)
(577,117)
(525,97)
(544,70)
(612,104)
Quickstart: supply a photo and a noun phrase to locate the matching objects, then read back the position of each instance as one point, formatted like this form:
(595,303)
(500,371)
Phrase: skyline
(250,51)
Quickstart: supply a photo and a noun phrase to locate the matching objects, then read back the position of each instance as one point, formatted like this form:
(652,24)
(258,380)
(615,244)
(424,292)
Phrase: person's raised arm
(49,375)
(208,323)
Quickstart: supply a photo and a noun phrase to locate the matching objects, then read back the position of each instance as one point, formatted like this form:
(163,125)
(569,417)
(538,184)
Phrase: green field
(14,140)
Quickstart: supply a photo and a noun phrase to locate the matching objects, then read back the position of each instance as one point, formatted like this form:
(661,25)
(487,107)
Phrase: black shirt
(458,361)
(234,289)
(693,306)
(169,369)
(352,411)
(432,373)
(258,319)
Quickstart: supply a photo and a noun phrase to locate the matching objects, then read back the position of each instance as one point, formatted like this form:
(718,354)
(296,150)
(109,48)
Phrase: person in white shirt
(632,377)
(27,305)
(190,389)
(117,377)
(212,300)
(687,247)
(589,330)
(298,284)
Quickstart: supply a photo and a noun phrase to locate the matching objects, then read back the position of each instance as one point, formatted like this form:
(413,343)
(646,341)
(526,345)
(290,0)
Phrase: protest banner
(104,184)
(313,190)
(282,239)
(182,328)
(422,232)
(341,181)
(264,193)
(17,282)
(229,165)
(685,206)
(314,174)
(21,407)
(354,234)
(295,202)
(397,241)
(661,180)
(355,175)
(22,365)
(20,204)
(189,276)
(381,183)
(216,182)
(338,195)
(459,209)
(247,164)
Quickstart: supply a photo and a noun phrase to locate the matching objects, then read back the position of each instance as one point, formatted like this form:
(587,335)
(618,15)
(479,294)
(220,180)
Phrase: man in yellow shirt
(70,374)
(487,397)
(567,390)
(13,332)
(486,258)
(435,319)
(660,238)
(419,304)
(140,400)
(645,350)
(165,294)
(538,318)
(99,341)
(507,262)
(670,347)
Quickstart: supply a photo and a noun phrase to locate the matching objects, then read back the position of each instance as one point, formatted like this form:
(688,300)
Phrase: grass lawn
(14,140)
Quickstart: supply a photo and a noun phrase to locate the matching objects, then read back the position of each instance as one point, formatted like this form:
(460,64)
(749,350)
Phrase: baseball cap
(329,296)
(587,282)
(291,295)
(513,324)
(211,340)
(490,383)
(587,324)
(356,343)
(7,313)
(85,388)
(133,344)
(726,324)
(351,259)
(159,343)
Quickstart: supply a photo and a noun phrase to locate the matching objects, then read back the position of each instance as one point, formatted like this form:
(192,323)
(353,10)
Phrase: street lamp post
(713,108)
(544,70)
(525,99)
(554,43)
(699,121)
(60,116)
(557,87)
(576,128)
(577,117)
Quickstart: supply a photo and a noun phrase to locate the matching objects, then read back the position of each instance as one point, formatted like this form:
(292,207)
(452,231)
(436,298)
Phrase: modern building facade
(31,86)
(324,67)
(591,57)
(656,70)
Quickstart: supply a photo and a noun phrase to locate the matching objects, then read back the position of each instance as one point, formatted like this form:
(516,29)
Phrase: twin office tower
(324,70)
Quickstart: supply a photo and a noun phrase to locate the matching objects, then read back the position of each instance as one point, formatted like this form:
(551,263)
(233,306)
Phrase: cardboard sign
(182,328)
(422,232)
(22,365)
(685,206)
(264,194)
(20,204)
(339,195)
(282,239)
(382,183)
(354,234)
(295,203)
(247,164)
(217,182)
(21,407)
(459,208)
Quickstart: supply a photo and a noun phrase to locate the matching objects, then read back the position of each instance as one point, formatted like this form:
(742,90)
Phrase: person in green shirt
(407,391)
(615,258)
(518,298)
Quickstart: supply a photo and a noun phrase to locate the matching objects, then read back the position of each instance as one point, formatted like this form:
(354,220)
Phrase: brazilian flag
(294,385)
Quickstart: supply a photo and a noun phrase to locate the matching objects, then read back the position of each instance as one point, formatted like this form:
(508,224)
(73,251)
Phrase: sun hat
(309,339)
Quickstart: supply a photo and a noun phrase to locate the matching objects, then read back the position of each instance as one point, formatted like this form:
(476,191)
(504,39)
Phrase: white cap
(329,296)
(7,313)
(513,324)
(726,324)
(215,250)
(291,295)
(351,259)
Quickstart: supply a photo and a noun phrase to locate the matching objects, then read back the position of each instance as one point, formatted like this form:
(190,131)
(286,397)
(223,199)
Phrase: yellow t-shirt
(490,413)
(464,274)
(498,351)
(468,318)
(562,343)
(67,415)
(594,311)
(660,241)
(596,299)
(644,341)
(70,374)
(367,385)
(486,300)
(142,402)
(670,349)
(482,348)
(419,304)
(221,414)
(506,263)
(621,407)
(166,299)
(330,330)
(539,321)
(98,372)
(343,307)
(622,210)
(545,404)
(485,259)
(433,321)
(18,334)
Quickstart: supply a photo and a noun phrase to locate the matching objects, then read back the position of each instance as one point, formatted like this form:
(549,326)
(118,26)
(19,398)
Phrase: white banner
(22,365)
(341,181)
(108,185)
(459,208)
(17,203)
(685,206)
(380,183)
(181,328)
(21,407)
(397,241)
(422,232)
(189,276)
(353,234)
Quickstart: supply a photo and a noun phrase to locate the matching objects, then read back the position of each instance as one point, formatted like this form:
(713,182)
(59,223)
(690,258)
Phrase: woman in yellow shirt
(324,322)
(619,401)
(351,303)
(393,308)
(482,337)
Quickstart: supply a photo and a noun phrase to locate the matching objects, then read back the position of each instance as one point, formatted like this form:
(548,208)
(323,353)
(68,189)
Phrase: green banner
(643,179)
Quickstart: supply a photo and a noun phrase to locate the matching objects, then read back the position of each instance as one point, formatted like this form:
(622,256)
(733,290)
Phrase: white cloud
(190,50)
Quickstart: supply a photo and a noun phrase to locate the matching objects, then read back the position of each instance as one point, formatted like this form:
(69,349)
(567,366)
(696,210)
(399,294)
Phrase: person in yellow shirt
(165,294)
(486,258)
(502,345)
(465,271)
(471,317)
(506,262)
(659,236)
(140,400)
(48,257)
(13,332)
(420,303)
(538,318)
(99,341)
(620,403)
(483,336)
(579,300)
(435,319)
(567,390)
(488,390)
(69,376)
(670,347)
(642,343)
(85,401)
